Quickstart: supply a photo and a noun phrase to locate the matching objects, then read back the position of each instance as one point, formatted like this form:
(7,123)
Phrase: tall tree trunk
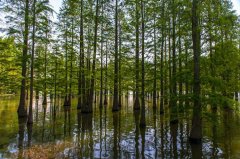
(105,78)
(173,102)
(30,115)
(169,63)
(115,97)
(161,69)
(21,108)
(214,107)
(81,81)
(88,108)
(71,64)
(119,66)
(66,68)
(180,66)
(155,66)
(137,103)
(101,62)
(186,78)
(196,131)
(45,72)
(143,120)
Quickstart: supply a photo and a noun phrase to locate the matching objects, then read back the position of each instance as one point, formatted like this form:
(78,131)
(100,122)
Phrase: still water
(60,132)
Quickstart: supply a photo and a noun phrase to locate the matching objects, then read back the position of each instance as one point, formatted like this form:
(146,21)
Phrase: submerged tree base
(195,140)
(114,109)
(22,113)
(161,112)
(79,106)
(175,121)
(86,110)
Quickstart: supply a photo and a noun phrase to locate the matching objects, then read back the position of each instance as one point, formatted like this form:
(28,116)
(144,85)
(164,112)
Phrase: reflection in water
(29,132)
(115,134)
(196,151)
(21,130)
(136,117)
(109,135)
(173,132)
(21,124)
(44,119)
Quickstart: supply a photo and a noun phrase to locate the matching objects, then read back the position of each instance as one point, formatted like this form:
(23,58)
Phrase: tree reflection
(115,134)
(87,136)
(196,150)
(136,119)
(21,128)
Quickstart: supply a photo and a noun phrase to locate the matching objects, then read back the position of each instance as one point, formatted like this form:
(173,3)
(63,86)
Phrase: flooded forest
(119,79)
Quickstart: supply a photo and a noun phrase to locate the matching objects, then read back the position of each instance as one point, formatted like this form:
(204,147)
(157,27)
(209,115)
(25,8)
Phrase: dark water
(66,133)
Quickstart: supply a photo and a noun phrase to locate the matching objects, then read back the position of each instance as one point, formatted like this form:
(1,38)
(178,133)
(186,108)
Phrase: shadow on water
(68,133)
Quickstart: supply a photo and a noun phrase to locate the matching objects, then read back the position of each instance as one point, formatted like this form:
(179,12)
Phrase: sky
(57,4)
(236,6)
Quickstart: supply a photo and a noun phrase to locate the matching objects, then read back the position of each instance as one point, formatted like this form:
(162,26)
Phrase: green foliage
(10,74)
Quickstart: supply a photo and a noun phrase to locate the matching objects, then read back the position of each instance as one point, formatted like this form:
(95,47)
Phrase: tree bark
(30,115)
(137,103)
(196,131)
(115,97)
(21,108)
(143,120)
(88,108)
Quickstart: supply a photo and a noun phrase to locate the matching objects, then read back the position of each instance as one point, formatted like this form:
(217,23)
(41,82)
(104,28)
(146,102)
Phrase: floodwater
(66,133)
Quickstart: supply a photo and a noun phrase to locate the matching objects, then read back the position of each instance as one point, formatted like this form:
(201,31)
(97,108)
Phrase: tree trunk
(21,108)
(119,66)
(143,120)
(196,131)
(173,96)
(155,66)
(45,73)
(115,97)
(137,103)
(161,69)
(101,63)
(30,115)
(81,78)
(66,68)
(88,108)
(106,74)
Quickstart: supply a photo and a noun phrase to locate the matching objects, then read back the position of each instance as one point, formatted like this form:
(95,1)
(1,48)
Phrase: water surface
(60,132)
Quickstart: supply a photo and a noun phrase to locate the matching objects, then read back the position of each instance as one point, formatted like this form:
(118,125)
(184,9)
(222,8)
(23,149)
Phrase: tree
(136,102)
(30,116)
(21,108)
(196,131)
(115,97)
(88,107)
(143,120)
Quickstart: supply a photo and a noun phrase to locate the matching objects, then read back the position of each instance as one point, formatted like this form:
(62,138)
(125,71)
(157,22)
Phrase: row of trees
(145,47)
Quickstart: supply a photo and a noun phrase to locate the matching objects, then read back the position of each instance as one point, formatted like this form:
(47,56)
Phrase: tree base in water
(105,102)
(142,125)
(175,121)
(79,106)
(86,112)
(115,109)
(22,113)
(195,140)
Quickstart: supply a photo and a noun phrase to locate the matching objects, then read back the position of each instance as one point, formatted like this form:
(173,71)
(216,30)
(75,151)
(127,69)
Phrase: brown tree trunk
(88,108)
(137,103)
(173,95)
(143,120)
(30,115)
(21,108)
(115,96)
(196,131)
